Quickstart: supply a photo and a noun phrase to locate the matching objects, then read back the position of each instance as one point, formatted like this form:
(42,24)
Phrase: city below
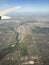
(24,40)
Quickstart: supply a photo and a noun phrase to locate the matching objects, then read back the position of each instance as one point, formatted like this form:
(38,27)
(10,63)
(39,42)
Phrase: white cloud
(3,12)
(5,17)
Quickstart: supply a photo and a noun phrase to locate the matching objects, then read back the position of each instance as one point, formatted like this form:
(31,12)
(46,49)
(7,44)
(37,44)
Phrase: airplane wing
(4,12)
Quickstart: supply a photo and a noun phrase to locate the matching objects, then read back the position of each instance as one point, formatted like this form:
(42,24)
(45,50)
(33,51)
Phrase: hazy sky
(35,6)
